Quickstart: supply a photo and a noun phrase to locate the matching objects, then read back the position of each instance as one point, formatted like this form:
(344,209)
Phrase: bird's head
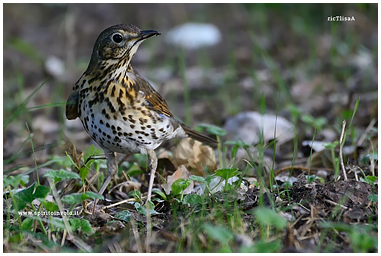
(118,43)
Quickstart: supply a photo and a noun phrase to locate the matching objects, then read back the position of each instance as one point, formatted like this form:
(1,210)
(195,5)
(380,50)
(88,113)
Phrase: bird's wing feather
(157,103)
(154,99)
(72,105)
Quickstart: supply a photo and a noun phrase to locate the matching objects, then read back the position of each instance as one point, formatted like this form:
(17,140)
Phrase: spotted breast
(120,118)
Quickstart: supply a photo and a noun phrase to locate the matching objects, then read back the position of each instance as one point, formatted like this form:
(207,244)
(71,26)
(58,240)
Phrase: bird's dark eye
(117,38)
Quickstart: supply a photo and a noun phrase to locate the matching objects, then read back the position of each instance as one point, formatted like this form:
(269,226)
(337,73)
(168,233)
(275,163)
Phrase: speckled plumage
(119,108)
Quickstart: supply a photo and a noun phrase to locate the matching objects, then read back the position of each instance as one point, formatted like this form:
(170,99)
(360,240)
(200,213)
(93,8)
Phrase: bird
(119,108)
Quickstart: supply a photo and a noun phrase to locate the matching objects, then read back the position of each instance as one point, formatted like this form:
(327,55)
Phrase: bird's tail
(198,136)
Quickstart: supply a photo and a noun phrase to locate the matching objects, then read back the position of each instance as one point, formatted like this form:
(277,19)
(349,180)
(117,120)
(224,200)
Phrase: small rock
(248,126)
(243,240)
(317,146)
(194,35)
(55,66)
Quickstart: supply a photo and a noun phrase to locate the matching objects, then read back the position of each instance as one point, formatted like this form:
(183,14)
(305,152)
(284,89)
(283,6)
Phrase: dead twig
(336,204)
(341,150)
(136,236)
(367,130)
(118,203)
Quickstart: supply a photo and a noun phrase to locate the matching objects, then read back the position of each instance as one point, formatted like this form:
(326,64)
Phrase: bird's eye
(117,38)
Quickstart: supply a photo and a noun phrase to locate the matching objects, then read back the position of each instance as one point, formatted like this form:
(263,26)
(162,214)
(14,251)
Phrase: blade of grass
(21,107)
(34,155)
(50,105)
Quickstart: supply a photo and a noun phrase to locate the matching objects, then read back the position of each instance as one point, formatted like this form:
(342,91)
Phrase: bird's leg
(152,164)
(112,168)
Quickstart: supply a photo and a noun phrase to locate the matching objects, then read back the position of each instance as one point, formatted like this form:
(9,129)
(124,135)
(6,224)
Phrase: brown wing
(156,102)
(72,105)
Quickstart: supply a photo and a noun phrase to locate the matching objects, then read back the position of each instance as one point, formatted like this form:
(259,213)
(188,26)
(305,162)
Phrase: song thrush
(119,109)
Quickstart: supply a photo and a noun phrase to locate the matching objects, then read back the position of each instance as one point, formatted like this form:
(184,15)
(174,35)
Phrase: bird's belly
(133,131)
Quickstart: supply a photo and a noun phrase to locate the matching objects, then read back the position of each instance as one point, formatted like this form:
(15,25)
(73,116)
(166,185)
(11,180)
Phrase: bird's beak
(144,34)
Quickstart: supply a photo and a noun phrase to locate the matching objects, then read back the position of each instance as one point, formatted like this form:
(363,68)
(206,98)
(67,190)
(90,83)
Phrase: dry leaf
(194,155)
(181,172)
